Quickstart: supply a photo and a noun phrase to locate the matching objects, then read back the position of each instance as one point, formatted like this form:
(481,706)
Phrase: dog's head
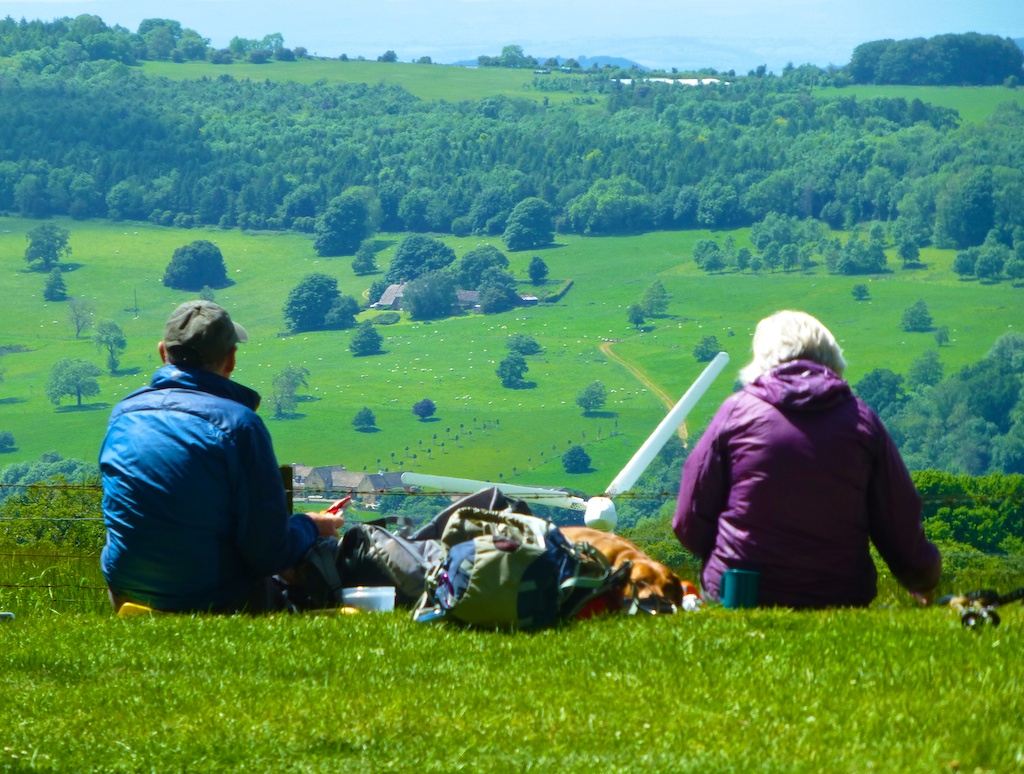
(653,579)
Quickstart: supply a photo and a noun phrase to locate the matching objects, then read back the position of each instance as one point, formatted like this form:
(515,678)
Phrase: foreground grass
(894,689)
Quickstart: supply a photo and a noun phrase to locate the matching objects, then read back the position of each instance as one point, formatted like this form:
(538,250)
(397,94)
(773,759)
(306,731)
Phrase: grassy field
(973,103)
(430,82)
(885,689)
(487,431)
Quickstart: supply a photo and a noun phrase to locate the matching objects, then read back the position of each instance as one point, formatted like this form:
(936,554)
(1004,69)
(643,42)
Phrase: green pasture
(453,83)
(974,103)
(885,689)
(486,430)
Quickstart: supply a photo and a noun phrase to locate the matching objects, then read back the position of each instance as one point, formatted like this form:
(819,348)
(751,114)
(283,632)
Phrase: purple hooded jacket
(794,478)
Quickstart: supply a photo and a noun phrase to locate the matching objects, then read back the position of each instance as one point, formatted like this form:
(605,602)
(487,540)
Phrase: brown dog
(649,577)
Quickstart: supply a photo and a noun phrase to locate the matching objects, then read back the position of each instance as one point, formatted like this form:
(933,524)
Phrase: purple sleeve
(703,492)
(894,514)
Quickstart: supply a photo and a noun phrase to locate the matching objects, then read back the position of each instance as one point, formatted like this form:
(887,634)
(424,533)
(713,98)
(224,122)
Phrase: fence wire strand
(1014,565)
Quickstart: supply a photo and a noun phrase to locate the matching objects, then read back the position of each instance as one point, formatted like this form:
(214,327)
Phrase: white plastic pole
(650,448)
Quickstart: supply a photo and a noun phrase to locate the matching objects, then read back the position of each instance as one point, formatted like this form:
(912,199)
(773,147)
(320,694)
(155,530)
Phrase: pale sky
(736,34)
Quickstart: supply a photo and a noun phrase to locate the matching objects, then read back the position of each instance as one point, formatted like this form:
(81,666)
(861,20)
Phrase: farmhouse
(391,298)
(334,480)
(468,299)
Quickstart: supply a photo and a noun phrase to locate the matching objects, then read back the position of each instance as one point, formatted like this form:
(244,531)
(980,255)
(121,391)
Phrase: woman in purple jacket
(796,477)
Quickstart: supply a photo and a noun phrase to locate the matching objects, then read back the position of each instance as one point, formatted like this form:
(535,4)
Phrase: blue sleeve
(269,538)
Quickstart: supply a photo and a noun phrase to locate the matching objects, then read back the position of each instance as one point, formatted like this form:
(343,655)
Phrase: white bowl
(377,598)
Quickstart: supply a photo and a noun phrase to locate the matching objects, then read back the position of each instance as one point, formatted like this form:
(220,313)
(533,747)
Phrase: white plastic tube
(468,485)
(650,448)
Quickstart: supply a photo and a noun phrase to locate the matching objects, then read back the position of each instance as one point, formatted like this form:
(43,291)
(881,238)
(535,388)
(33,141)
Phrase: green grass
(974,103)
(430,82)
(518,435)
(889,689)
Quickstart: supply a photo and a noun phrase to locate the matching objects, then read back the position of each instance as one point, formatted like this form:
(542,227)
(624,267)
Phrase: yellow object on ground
(131,610)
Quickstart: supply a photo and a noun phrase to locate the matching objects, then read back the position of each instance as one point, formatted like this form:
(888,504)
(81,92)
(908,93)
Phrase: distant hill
(586,62)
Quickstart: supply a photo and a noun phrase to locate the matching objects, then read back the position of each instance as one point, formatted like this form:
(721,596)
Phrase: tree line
(943,60)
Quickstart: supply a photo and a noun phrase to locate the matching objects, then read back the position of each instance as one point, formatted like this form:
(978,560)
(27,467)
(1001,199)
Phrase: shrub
(576,460)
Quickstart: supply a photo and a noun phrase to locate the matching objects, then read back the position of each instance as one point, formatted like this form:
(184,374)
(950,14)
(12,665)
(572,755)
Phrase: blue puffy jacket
(193,503)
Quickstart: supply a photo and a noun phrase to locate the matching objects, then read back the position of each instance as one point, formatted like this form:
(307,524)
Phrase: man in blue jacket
(195,510)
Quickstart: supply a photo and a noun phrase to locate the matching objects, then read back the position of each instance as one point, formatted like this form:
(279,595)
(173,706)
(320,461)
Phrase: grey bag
(370,555)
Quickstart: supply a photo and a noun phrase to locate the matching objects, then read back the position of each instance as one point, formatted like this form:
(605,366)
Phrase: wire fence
(52,562)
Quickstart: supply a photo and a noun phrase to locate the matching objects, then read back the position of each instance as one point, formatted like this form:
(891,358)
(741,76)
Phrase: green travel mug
(739,588)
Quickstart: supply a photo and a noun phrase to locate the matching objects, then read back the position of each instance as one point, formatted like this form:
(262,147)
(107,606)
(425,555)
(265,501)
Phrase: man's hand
(327,524)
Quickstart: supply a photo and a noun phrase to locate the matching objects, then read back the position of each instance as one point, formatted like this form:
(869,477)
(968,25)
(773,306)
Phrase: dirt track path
(640,376)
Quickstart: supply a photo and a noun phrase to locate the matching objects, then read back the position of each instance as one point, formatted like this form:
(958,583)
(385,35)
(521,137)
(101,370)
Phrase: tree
(366,340)
(966,261)
(576,460)
(965,209)
(925,370)
(47,246)
(538,270)
(991,261)
(498,292)
(74,377)
(743,258)
(655,299)
(476,262)
(1014,268)
(348,220)
(80,314)
(942,335)
(388,56)
(882,389)
(7,441)
(365,261)
(706,349)
(523,344)
(284,395)
(196,265)
(512,369)
(916,318)
(424,409)
(110,338)
(418,255)
(431,296)
(530,225)
(860,292)
(708,255)
(342,313)
(55,289)
(592,397)
(310,301)
(908,252)
(364,420)
(635,315)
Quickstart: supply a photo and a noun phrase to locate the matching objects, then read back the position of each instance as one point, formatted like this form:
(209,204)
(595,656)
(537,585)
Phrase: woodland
(85,133)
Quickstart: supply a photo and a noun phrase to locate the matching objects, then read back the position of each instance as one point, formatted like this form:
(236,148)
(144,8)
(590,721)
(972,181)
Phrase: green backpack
(506,570)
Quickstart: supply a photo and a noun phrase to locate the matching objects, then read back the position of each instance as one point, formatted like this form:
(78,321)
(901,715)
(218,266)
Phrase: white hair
(789,335)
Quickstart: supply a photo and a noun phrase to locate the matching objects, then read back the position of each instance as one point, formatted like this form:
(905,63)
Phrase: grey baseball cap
(201,333)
